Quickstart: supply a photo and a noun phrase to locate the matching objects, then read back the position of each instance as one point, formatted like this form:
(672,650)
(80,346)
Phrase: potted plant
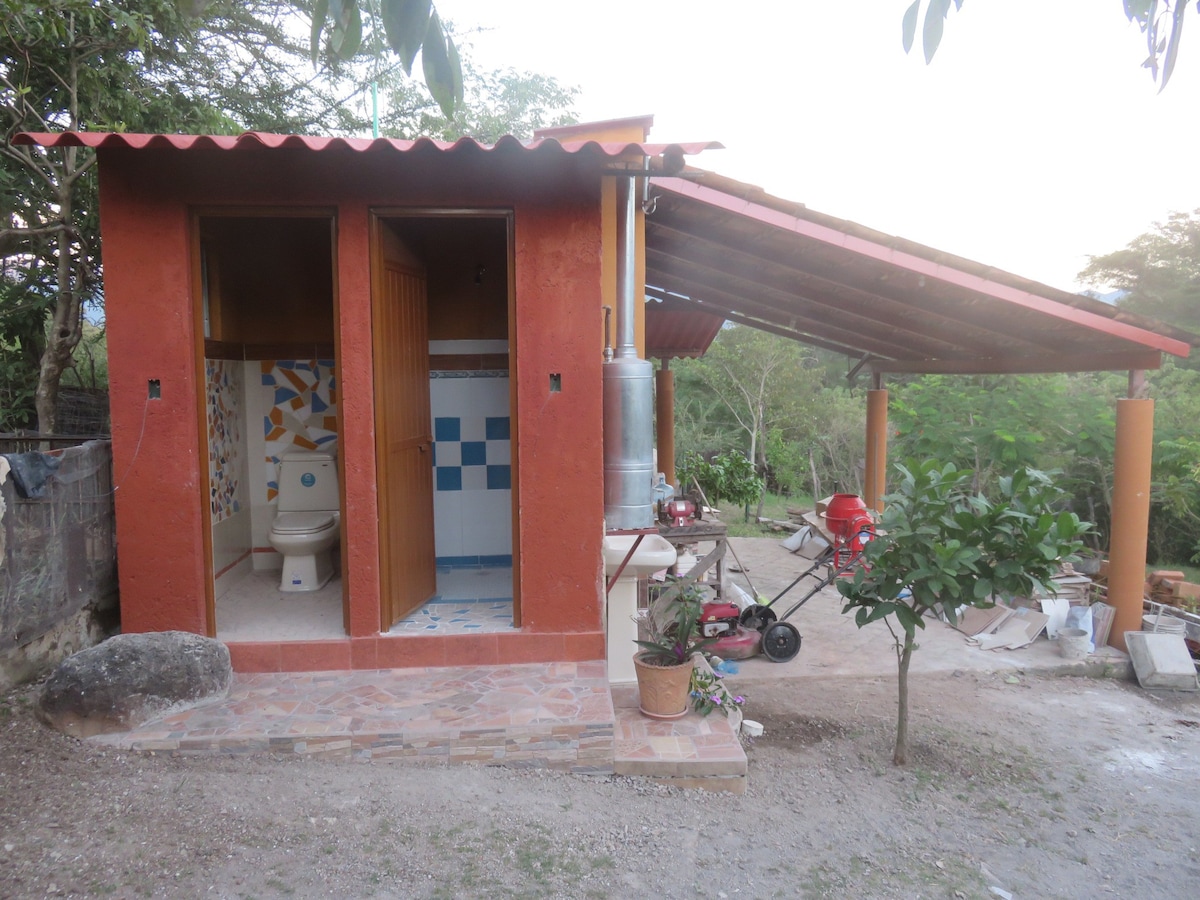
(670,635)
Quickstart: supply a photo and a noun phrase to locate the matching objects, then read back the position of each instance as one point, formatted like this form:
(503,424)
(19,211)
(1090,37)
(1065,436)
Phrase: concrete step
(692,752)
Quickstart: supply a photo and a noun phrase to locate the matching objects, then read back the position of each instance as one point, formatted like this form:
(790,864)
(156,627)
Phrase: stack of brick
(1169,588)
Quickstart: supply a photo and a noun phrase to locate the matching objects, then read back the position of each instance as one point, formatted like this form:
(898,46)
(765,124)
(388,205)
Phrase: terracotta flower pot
(663,689)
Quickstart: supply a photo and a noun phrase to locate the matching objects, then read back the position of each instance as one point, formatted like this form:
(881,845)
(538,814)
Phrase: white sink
(653,553)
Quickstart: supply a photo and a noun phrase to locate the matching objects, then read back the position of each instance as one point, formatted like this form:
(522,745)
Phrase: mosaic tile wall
(472,458)
(303,410)
(224,383)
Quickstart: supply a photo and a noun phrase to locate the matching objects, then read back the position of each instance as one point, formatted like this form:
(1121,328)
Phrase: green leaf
(346,35)
(352,35)
(982,589)
(1140,10)
(909,25)
(192,8)
(406,22)
(881,611)
(439,70)
(320,14)
(908,619)
(455,69)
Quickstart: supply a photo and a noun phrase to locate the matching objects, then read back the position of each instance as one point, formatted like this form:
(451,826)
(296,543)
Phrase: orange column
(664,415)
(1130,515)
(875,474)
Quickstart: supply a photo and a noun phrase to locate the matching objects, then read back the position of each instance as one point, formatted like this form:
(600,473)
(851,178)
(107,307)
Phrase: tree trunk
(900,756)
(812,466)
(66,327)
(66,324)
(761,469)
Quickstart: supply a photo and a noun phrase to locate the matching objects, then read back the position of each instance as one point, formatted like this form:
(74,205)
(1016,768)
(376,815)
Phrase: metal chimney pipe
(626,269)
(628,392)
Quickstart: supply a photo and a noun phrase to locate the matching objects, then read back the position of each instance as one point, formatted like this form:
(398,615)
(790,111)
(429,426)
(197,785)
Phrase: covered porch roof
(718,249)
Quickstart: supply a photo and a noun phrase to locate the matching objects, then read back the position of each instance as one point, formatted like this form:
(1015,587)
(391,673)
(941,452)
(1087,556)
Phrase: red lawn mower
(738,631)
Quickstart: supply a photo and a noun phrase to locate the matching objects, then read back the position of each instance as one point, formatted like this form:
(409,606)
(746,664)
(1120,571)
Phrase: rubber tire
(781,642)
(757,617)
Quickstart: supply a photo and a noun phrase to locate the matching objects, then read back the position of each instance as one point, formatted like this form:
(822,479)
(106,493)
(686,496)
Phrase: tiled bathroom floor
(254,609)
(468,601)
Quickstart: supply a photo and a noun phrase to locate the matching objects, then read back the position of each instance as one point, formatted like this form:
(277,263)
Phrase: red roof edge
(259,140)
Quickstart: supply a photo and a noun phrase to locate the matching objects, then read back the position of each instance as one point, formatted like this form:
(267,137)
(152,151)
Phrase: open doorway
(444,422)
(267,313)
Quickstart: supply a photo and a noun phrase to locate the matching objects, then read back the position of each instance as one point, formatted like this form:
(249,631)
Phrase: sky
(1033,140)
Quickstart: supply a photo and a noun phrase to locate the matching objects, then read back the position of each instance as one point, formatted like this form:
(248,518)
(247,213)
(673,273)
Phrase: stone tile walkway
(559,716)
(556,716)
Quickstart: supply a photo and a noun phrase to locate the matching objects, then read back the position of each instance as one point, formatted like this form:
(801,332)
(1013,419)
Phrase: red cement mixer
(851,526)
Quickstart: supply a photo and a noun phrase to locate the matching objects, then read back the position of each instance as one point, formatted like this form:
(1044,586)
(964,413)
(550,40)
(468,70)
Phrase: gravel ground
(1041,787)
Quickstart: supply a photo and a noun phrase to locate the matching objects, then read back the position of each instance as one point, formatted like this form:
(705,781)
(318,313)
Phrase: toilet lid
(301,522)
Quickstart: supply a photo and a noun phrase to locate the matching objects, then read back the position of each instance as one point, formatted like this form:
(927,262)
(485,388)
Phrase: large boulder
(131,678)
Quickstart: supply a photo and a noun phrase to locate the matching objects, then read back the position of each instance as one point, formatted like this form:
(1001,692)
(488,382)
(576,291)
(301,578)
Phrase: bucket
(1073,643)
(1163,624)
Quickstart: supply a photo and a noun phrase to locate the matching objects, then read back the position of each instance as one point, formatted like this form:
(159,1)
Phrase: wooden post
(664,414)
(875,474)
(1130,514)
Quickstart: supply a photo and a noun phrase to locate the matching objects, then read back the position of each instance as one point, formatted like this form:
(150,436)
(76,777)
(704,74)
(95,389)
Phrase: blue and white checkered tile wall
(472,453)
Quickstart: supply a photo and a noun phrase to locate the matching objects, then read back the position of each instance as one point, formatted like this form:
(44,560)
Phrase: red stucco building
(433,312)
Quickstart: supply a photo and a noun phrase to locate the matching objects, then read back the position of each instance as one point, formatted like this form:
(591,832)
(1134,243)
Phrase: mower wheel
(781,642)
(757,617)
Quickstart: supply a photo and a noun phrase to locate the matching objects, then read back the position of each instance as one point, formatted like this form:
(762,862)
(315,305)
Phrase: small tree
(942,547)
(728,476)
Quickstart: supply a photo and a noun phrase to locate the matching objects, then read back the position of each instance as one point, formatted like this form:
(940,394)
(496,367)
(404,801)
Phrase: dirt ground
(1037,786)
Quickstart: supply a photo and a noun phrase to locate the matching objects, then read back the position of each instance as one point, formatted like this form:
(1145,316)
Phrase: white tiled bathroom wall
(472,466)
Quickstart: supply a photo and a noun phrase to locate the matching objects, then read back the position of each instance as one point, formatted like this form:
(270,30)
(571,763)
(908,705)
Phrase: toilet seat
(303,522)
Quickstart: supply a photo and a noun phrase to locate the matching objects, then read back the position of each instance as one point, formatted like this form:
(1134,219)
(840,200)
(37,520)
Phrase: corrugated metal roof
(675,328)
(732,250)
(259,140)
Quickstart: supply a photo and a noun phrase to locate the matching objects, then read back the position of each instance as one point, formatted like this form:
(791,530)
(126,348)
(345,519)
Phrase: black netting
(58,552)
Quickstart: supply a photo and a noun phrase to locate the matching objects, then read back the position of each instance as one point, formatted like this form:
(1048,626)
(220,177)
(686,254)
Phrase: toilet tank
(308,481)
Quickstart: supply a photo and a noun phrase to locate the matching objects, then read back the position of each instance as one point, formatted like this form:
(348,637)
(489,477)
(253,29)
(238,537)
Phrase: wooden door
(404,437)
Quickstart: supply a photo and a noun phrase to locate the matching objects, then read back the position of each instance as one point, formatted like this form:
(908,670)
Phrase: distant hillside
(1110,298)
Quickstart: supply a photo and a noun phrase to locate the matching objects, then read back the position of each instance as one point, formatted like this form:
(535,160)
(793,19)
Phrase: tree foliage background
(159,66)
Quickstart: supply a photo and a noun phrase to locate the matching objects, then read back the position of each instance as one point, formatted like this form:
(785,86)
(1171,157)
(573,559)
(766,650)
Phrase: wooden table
(712,562)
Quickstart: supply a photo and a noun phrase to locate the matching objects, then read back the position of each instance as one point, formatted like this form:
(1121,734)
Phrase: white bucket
(1163,624)
(1073,643)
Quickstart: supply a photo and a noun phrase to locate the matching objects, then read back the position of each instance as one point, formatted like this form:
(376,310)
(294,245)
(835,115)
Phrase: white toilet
(306,528)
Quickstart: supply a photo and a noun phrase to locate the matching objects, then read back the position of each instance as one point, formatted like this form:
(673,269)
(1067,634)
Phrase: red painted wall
(146,201)
(156,467)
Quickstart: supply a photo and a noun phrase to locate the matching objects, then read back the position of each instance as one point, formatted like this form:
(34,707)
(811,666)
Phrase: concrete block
(1161,661)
